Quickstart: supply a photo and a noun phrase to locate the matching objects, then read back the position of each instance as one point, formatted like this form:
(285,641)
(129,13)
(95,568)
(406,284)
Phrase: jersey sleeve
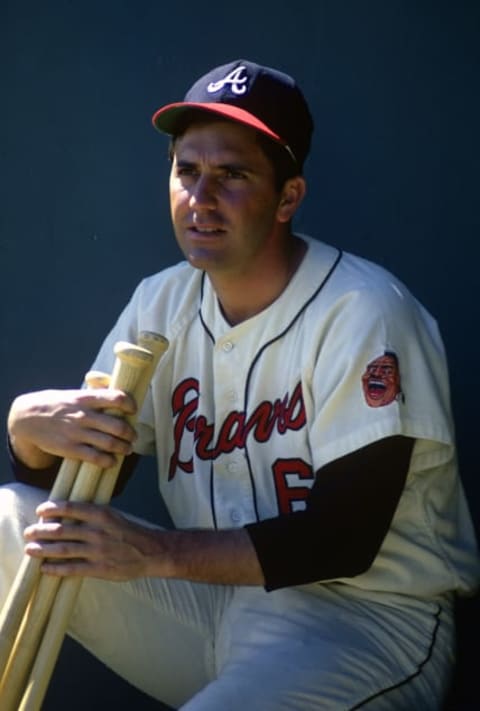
(348,514)
(380,371)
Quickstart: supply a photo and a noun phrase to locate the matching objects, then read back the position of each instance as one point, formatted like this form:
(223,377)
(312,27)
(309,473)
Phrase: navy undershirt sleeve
(45,478)
(347,516)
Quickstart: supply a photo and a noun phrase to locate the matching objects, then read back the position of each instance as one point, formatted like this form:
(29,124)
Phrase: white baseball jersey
(241,418)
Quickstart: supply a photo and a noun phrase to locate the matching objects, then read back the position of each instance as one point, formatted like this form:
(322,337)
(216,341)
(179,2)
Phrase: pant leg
(235,648)
(17,510)
(156,634)
(332,651)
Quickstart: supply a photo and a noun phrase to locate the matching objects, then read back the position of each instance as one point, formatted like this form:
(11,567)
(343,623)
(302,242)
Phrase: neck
(245,295)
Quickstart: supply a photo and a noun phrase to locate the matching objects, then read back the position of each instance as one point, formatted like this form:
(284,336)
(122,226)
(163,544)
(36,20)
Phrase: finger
(105,441)
(79,567)
(106,398)
(70,569)
(93,438)
(59,554)
(80,451)
(93,514)
(41,531)
(117,427)
(85,419)
(57,540)
(49,530)
(91,455)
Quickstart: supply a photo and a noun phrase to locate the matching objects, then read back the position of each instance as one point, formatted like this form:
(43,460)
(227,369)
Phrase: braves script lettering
(281,415)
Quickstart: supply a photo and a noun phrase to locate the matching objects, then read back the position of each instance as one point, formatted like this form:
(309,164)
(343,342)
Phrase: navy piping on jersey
(409,678)
(212,499)
(263,349)
(251,368)
(210,334)
(207,330)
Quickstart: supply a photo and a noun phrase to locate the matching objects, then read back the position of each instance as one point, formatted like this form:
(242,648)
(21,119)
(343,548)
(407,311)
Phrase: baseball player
(302,428)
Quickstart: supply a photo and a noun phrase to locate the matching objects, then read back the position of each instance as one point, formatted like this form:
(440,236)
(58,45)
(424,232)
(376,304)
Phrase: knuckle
(29,534)
(118,396)
(109,442)
(101,459)
(123,400)
(63,548)
(78,415)
(68,508)
(123,429)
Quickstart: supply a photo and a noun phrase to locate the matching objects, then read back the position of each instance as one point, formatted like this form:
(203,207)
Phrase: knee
(18,503)
(17,510)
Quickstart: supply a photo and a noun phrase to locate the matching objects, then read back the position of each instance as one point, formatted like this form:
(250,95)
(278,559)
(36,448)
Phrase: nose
(203,194)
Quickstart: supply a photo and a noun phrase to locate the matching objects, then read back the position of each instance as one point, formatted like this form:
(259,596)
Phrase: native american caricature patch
(381,380)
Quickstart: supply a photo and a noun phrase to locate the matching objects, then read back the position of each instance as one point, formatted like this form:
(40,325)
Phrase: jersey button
(227,346)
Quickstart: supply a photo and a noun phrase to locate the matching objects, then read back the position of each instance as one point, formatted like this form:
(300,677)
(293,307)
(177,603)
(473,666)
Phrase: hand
(71,423)
(90,541)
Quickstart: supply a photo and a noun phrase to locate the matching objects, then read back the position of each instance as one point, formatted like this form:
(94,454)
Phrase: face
(224,206)
(381,381)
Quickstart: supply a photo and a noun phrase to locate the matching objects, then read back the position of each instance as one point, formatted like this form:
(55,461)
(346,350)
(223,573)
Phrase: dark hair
(284,166)
(393,356)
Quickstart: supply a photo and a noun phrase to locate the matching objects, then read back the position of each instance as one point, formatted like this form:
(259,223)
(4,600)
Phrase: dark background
(393,176)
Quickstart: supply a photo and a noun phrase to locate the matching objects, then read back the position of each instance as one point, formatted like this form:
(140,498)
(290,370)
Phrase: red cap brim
(165,119)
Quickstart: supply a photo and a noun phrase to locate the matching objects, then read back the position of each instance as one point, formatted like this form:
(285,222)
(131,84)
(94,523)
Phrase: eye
(186,170)
(232,172)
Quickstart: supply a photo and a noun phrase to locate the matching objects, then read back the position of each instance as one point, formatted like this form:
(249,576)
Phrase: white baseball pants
(203,647)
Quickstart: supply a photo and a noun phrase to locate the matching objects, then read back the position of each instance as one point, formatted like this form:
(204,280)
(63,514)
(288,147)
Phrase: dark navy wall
(83,198)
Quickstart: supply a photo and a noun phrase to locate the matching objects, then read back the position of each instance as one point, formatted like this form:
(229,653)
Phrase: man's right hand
(71,424)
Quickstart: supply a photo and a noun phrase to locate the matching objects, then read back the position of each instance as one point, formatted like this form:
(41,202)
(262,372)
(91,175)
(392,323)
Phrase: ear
(292,195)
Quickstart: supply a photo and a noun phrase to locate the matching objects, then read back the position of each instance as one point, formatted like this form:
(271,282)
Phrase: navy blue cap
(265,99)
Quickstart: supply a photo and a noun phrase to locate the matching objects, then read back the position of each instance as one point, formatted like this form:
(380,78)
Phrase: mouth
(376,388)
(206,231)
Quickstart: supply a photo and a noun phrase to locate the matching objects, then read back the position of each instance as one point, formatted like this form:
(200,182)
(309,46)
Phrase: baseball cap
(263,98)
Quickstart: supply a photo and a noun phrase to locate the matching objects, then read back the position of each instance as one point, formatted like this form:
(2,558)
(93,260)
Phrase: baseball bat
(69,588)
(49,588)
(157,345)
(38,608)
(22,619)
(27,577)
(29,571)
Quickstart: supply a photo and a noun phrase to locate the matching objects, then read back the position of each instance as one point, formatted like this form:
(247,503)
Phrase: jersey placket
(232,491)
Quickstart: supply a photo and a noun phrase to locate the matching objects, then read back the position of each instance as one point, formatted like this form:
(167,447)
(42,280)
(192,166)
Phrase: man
(320,529)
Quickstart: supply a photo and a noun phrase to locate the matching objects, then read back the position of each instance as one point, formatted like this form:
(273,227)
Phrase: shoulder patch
(381,380)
